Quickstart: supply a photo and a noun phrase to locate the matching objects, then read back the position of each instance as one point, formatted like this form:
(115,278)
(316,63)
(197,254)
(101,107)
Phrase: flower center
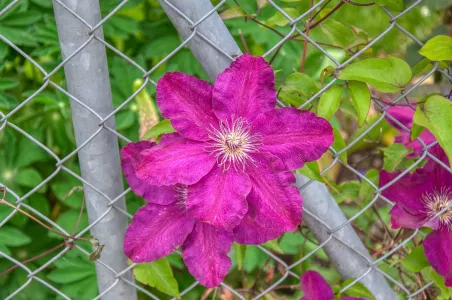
(233,143)
(437,201)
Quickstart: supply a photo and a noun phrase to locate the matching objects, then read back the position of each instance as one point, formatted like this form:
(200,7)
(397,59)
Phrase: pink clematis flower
(233,150)
(419,197)
(315,287)
(163,225)
(404,114)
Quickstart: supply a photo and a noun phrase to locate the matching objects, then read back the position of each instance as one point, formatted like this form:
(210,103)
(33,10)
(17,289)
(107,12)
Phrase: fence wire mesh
(297,28)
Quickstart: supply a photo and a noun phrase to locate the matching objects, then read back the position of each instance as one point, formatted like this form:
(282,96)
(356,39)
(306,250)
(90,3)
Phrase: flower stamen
(233,143)
(437,201)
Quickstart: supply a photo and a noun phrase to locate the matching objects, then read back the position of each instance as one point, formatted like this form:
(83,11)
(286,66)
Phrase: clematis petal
(402,218)
(187,102)
(274,207)
(294,136)
(156,231)
(403,114)
(219,198)
(408,190)
(245,89)
(437,247)
(174,160)
(441,176)
(130,155)
(315,287)
(205,253)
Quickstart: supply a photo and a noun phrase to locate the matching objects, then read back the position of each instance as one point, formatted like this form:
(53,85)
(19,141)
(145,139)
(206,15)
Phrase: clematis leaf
(312,171)
(416,131)
(366,192)
(329,102)
(356,290)
(233,12)
(162,127)
(387,75)
(440,282)
(279,20)
(361,99)
(147,111)
(394,155)
(392,4)
(298,88)
(436,115)
(338,33)
(274,246)
(416,261)
(339,144)
(157,274)
(438,48)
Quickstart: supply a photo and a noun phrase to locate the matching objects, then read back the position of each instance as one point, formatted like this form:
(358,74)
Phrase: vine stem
(305,46)
(3,201)
(32,259)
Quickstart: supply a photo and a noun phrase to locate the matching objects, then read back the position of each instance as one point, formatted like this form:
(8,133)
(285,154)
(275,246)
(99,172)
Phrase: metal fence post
(186,13)
(319,203)
(88,80)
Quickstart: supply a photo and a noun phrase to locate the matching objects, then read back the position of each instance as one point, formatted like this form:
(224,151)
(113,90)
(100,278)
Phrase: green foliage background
(142,31)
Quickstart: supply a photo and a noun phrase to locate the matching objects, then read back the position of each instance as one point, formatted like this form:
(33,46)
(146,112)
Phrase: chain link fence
(83,49)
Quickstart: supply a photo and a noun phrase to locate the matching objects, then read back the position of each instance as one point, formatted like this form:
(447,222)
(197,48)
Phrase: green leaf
(386,74)
(339,144)
(163,127)
(438,48)
(329,102)
(436,116)
(297,88)
(157,274)
(29,153)
(255,258)
(13,237)
(70,274)
(7,84)
(161,46)
(422,67)
(61,188)
(274,246)
(28,177)
(416,131)
(366,192)
(361,99)
(7,101)
(68,220)
(21,19)
(357,289)
(240,252)
(394,155)
(5,249)
(85,289)
(279,20)
(416,261)
(233,12)
(440,282)
(312,171)
(338,33)
(392,4)
(348,190)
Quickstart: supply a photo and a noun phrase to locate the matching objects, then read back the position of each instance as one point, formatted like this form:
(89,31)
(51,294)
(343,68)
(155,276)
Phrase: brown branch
(242,39)
(32,259)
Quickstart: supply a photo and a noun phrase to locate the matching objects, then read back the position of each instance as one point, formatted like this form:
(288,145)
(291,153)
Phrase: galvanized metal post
(87,80)
(316,197)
